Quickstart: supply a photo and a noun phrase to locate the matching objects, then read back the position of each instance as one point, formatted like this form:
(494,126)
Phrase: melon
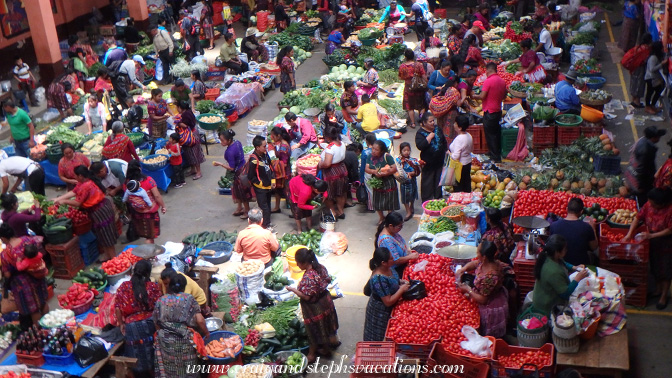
(343,67)
(309,54)
(295,109)
(352,69)
(284,111)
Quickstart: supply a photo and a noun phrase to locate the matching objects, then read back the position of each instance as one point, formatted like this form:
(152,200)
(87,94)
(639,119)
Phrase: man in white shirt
(22,168)
(25,79)
(545,40)
(112,174)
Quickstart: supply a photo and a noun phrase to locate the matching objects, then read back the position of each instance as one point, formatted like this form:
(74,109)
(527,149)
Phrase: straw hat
(251,31)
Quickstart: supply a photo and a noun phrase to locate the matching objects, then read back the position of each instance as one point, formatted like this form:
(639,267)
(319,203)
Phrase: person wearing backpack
(635,61)
(191,29)
(260,175)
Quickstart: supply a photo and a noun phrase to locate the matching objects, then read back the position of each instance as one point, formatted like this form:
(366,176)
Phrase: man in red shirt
(493,92)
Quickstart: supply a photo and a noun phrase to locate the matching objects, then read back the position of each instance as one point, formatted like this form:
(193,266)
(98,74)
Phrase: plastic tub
(432,213)
(563,120)
(223,334)
(63,360)
(591,115)
(223,251)
(114,278)
(595,82)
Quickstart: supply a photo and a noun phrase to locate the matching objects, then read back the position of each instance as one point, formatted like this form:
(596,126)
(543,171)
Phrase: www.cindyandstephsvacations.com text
(335,367)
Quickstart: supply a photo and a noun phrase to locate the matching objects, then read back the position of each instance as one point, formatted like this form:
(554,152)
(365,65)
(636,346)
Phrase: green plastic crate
(509,138)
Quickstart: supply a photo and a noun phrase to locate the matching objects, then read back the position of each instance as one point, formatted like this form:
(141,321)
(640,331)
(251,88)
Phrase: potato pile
(254,371)
(162,151)
(309,161)
(249,267)
(257,122)
(211,119)
(622,216)
(155,160)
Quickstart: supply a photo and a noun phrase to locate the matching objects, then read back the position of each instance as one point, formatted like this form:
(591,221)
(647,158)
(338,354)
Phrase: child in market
(135,193)
(32,263)
(175,150)
(409,189)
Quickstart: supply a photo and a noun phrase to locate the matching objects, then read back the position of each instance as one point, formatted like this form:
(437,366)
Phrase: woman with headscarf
(133,306)
(287,69)
(89,196)
(118,145)
(190,141)
(369,83)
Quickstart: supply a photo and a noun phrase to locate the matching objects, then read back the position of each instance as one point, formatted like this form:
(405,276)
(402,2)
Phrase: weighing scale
(395,34)
(148,251)
(534,227)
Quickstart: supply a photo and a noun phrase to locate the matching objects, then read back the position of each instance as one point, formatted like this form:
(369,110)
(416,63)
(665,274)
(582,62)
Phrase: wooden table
(93,370)
(600,355)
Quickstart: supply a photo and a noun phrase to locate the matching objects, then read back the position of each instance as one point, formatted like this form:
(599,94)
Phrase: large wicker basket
(588,102)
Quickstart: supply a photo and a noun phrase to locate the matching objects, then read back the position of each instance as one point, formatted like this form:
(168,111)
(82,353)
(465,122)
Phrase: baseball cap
(654,132)
(479,24)
(139,59)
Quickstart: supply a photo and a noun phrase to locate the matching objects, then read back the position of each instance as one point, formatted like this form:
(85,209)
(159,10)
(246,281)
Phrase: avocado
(278,286)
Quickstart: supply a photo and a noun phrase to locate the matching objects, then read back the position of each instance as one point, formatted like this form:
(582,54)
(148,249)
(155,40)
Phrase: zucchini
(272,341)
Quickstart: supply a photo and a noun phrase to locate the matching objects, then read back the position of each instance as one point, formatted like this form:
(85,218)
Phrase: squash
(604,136)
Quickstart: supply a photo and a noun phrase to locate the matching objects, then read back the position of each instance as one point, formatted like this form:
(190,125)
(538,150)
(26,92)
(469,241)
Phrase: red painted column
(45,39)
(137,9)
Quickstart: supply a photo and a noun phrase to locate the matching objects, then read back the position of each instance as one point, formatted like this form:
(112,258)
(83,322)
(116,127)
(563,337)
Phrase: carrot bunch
(224,347)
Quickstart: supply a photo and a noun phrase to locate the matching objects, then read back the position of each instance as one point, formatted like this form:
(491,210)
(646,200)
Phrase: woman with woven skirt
(133,306)
(413,100)
(319,313)
(118,145)
(191,147)
(157,109)
(177,343)
(382,167)
(89,196)
(145,219)
(281,166)
(384,290)
(334,171)
(235,161)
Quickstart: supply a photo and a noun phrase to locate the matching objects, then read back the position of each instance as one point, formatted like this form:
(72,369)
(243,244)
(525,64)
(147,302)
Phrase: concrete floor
(198,207)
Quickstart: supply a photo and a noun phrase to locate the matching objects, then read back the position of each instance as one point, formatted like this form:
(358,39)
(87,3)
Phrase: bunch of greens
(312,13)
(205,106)
(376,183)
(582,39)
(319,98)
(144,50)
(93,70)
(370,33)
(63,134)
(513,68)
(335,59)
(388,76)
(506,50)
(312,84)
(287,39)
(393,107)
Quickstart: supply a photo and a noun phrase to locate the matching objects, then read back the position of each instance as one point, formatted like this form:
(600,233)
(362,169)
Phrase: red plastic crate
(478,136)
(544,136)
(459,367)
(632,273)
(66,258)
(503,349)
(610,250)
(591,131)
(471,357)
(568,134)
(369,355)
(537,149)
(635,295)
(212,94)
(419,351)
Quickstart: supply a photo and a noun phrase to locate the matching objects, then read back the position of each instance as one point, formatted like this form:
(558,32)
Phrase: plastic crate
(419,351)
(64,360)
(544,136)
(610,250)
(509,139)
(66,258)
(81,228)
(537,149)
(474,359)
(30,360)
(451,366)
(478,136)
(636,295)
(568,134)
(90,253)
(503,349)
(591,131)
(610,165)
(212,94)
(369,355)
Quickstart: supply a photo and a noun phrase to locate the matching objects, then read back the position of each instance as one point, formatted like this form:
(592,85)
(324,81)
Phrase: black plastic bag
(89,350)
(416,290)
(468,278)
(362,194)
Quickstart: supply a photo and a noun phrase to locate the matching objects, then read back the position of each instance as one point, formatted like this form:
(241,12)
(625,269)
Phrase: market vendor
(395,12)
(368,117)
(256,242)
(487,289)
(235,162)
(334,172)
(118,145)
(95,114)
(89,196)
(388,236)
(465,87)
(302,191)
(319,313)
(228,53)
(545,43)
(133,307)
(112,174)
(640,175)
(68,163)
(255,51)
(566,99)
(483,15)
(369,83)
(158,113)
(22,168)
(384,290)
(349,101)
(552,286)
(432,145)
(440,77)
(581,235)
(192,288)
(477,30)
(303,135)
(181,329)
(530,67)
(180,92)
(381,166)
(656,215)
(335,39)
(499,233)
(57,94)
(15,219)
(331,118)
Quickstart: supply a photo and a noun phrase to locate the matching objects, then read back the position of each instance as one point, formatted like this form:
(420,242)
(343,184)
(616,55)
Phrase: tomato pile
(614,236)
(511,34)
(120,263)
(77,295)
(517,360)
(542,202)
(501,72)
(12,374)
(441,314)
(77,216)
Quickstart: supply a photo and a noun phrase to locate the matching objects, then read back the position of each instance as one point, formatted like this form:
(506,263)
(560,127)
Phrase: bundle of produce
(515,32)
(300,55)
(343,73)
(274,279)
(200,239)
(289,39)
(120,263)
(226,299)
(388,58)
(249,267)
(224,347)
(300,28)
(94,277)
(291,366)
(225,182)
(587,66)
(335,59)
(436,205)
(309,239)
(205,106)
(438,225)
(623,217)
(54,225)
(441,314)
(595,97)
(581,39)
(76,296)
(56,318)
(542,202)
(538,358)
(370,33)
(501,20)
(393,107)
(62,134)
(8,333)
(506,50)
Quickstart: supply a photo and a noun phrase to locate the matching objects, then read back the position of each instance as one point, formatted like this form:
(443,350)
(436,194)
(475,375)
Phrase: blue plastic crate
(90,253)
(86,239)
(10,150)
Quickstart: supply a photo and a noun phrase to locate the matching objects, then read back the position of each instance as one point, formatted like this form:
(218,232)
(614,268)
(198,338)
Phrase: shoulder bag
(418,82)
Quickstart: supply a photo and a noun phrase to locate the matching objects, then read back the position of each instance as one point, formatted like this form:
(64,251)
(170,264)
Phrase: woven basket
(532,338)
(595,102)
(517,94)
(563,345)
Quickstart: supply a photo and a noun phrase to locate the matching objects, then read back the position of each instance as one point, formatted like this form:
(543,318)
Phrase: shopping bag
(452,172)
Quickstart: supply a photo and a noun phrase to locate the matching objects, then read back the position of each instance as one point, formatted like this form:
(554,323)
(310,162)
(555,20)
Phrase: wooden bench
(599,355)
(204,275)
(127,365)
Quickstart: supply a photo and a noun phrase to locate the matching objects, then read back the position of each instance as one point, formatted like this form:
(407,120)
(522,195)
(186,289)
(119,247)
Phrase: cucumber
(90,275)
(78,279)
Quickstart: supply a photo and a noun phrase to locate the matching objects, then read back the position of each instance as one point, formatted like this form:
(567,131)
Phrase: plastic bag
(158,70)
(333,242)
(475,343)
(420,267)
(416,290)
(89,350)
(51,114)
(579,52)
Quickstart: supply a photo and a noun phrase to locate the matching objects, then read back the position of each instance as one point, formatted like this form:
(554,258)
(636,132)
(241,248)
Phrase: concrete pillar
(137,9)
(45,39)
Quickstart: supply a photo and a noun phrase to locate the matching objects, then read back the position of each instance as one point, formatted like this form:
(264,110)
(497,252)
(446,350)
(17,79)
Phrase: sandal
(413,125)
(275,211)
(238,213)
(197,177)
(409,217)
(662,306)
(244,216)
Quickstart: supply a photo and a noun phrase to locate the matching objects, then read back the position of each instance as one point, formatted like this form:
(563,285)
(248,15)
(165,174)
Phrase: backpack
(244,180)
(635,57)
